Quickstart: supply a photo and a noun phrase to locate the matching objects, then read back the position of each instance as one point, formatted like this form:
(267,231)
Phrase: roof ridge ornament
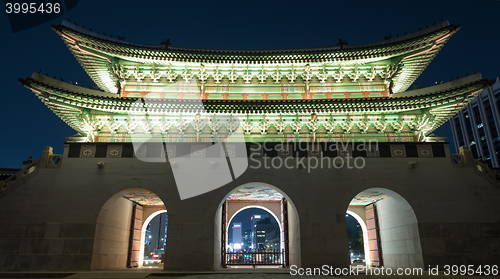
(341,43)
(165,43)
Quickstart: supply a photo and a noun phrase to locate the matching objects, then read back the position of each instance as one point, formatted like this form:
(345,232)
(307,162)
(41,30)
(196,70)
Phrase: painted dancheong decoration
(174,94)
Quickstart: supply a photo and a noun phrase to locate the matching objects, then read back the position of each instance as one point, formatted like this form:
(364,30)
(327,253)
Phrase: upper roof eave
(394,41)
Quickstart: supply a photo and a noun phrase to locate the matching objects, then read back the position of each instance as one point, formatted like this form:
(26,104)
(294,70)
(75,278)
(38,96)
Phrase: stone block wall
(51,221)
(46,246)
(460,243)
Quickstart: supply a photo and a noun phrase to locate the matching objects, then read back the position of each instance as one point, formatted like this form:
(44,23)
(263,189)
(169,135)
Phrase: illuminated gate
(258,256)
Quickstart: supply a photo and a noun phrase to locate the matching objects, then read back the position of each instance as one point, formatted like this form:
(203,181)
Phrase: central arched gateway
(278,205)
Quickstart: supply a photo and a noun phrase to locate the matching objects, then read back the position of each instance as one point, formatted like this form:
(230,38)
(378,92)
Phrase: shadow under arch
(396,224)
(293,225)
(383,184)
(113,222)
(109,192)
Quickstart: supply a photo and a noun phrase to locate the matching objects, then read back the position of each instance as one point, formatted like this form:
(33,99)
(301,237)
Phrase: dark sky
(28,126)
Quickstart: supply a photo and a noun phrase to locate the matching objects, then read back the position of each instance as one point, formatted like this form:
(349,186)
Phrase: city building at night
(237,242)
(247,240)
(478,126)
(307,135)
(261,226)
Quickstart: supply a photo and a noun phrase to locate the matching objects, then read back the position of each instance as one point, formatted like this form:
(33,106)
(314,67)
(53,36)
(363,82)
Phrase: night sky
(243,217)
(28,126)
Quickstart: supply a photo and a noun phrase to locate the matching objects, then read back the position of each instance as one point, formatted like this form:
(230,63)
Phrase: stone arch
(112,189)
(293,223)
(398,221)
(111,242)
(357,188)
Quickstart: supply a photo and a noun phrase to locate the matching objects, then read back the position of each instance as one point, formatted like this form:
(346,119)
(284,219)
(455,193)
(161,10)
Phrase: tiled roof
(411,53)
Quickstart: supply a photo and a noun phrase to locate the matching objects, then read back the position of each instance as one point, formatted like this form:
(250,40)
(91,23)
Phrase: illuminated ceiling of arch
(255,193)
(368,197)
(144,198)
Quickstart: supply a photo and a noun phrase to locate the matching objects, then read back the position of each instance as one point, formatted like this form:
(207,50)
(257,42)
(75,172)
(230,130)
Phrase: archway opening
(121,229)
(267,223)
(154,239)
(254,228)
(389,229)
(357,236)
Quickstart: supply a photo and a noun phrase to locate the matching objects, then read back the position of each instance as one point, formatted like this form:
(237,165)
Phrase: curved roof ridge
(406,37)
(441,87)
(62,85)
(84,31)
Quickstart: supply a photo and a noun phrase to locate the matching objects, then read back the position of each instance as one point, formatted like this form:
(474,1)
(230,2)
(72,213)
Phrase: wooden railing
(254,258)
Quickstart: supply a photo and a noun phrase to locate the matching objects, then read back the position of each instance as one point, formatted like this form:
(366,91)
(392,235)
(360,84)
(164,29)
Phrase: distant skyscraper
(237,236)
(158,231)
(247,240)
(478,126)
(261,227)
(148,235)
(254,220)
(165,232)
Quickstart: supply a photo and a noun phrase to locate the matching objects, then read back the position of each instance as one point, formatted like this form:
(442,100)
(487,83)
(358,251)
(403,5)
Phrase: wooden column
(224,234)
(284,234)
(372,227)
(135,236)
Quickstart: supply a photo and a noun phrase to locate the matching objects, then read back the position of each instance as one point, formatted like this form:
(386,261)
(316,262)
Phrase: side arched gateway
(120,229)
(392,238)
